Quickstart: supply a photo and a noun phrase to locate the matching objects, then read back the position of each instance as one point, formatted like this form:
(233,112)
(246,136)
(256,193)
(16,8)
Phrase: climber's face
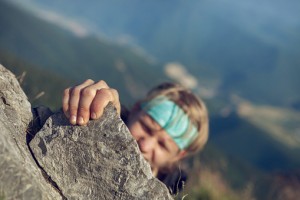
(157,147)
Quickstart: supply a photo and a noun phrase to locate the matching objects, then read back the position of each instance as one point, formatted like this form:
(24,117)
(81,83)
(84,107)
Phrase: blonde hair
(193,106)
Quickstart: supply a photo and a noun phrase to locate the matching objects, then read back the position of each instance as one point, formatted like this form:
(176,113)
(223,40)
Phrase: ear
(181,155)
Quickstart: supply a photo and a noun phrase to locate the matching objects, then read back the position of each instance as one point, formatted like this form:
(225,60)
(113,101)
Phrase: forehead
(153,126)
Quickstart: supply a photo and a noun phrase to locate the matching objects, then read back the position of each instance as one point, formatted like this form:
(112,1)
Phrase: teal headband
(172,119)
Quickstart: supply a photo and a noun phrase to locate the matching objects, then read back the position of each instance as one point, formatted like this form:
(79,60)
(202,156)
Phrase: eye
(163,145)
(145,127)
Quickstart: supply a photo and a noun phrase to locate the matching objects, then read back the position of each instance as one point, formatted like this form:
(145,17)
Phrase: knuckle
(76,90)
(66,92)
(88,92)
(89,82)
(102,82)
(83,110)
(115,93)
(105,93)
(73,109)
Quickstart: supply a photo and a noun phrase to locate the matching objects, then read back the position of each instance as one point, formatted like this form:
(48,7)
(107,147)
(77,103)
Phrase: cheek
(161,160)
(135,131)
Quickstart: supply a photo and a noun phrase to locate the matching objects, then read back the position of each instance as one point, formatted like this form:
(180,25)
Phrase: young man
(168,124)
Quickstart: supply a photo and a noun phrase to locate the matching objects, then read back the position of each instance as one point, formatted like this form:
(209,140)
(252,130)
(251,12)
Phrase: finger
(116,100)
(83,112)
(102,98)
(65,102)
(86,97)
(100,84)
(74,99)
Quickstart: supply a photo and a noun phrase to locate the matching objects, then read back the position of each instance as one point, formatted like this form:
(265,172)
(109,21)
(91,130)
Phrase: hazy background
(241,57)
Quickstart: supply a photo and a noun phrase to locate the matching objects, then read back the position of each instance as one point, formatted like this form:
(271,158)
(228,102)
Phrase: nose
(147,146)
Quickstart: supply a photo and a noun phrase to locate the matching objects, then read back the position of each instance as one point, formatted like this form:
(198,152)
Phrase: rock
(97,161)
(20,177)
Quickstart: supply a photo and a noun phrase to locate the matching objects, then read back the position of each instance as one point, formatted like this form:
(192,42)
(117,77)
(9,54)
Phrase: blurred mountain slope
(78,58)
(251,46)
(86,57)
(263,135)
(283,124)
(41,86)
(38,47)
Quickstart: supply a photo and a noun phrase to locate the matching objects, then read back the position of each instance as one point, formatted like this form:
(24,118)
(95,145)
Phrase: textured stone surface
(20,177)
(97,161)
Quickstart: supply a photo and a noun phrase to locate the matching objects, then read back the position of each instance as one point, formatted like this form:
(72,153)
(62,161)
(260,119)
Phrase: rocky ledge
(61,161)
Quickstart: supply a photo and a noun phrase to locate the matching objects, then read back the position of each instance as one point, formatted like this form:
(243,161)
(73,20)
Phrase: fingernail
(73,119)
(80,120)
(93,115)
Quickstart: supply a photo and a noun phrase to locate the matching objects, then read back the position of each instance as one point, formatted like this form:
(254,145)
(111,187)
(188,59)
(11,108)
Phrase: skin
(88,100)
